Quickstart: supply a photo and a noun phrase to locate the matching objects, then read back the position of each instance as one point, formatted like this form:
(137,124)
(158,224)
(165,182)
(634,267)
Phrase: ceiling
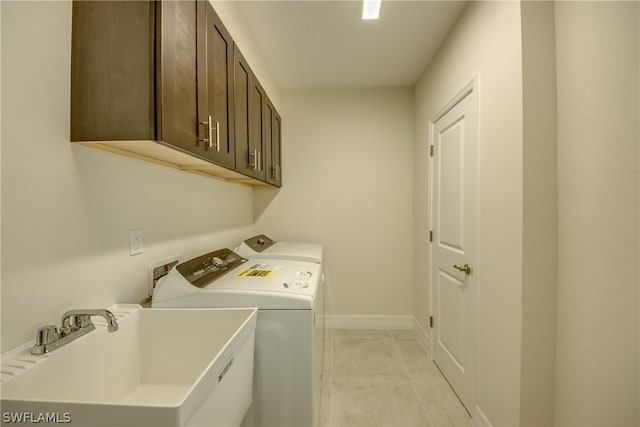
(326,44)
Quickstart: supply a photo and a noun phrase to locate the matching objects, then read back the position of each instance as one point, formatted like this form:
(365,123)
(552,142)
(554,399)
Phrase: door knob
(466,268)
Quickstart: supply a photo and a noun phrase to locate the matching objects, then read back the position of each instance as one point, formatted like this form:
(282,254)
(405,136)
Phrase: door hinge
(430,235)
(431,150)
(431,321)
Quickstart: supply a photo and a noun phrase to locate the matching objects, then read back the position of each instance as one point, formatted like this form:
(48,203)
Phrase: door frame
(469,88)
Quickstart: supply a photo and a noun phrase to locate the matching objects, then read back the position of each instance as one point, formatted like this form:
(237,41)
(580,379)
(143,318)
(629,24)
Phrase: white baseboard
(423,336)
(479,419)
(334,321)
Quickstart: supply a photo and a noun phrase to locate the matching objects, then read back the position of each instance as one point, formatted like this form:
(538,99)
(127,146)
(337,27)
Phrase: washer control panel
(206,268)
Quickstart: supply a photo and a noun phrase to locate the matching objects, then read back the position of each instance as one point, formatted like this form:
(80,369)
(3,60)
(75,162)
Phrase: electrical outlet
(135,242)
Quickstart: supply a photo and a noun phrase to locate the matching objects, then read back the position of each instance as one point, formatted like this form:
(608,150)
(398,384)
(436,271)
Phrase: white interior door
(454,244)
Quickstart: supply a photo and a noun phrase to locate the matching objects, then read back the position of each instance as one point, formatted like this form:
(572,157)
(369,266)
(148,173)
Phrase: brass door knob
(465,268)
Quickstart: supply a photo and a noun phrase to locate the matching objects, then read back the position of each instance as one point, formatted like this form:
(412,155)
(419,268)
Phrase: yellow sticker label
(256,273)
(260,270)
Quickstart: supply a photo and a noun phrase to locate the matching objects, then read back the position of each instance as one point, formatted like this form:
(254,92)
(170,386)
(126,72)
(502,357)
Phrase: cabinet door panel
(217,90)
(269,112)
(242,89)
(112,71)
(272,145)
(257,128)
(276,148)
(177,76)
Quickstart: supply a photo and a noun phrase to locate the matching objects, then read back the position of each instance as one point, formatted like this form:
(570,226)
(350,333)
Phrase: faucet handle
(47,335)
(73,321)
(80,321)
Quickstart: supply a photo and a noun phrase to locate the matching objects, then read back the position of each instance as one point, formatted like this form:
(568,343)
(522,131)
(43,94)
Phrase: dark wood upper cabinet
(134,72)
(257,125)
(162,81)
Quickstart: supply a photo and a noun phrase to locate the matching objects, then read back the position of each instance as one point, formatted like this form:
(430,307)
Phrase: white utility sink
(163,367)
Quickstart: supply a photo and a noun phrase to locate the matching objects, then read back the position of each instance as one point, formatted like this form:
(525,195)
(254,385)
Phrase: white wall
(598,45)
(0,164)
(593,203)
(486,41)
(540,207)
(347,183)
(67,209)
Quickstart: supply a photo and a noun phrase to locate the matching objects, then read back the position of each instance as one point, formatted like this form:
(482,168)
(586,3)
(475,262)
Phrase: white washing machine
(261,246)
(288,344)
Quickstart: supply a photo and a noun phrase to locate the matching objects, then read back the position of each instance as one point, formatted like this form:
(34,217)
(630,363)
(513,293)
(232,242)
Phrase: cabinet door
(258,128)
(177,77)
(241,86)
(273,142)
(277,149)
(112,71)
(215,87)
(249,132)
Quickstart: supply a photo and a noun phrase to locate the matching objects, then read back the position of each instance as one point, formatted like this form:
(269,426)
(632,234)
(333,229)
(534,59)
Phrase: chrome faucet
(75,323)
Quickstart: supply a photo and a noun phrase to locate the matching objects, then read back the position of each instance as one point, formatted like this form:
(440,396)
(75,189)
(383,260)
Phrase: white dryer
(261,246)
(288,343)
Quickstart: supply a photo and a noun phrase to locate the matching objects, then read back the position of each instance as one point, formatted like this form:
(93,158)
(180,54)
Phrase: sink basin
(163,367)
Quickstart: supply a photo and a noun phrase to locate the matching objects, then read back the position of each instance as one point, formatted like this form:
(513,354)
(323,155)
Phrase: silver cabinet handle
(217,134)
(254,162)
(208,138)
(210,132)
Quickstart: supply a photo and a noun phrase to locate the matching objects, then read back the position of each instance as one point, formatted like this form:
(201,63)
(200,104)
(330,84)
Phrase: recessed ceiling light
(371,9)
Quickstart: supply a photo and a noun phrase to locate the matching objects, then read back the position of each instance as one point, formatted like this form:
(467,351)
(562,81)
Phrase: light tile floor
(384,378)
